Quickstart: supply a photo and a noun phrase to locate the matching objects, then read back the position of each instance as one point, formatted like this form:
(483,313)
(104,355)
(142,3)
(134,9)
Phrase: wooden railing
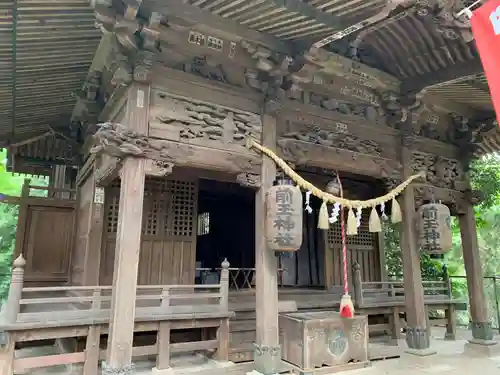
(65,312)
(30,192)
(389,293)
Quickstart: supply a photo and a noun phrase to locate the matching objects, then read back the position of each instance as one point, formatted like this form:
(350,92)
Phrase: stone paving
(449,360)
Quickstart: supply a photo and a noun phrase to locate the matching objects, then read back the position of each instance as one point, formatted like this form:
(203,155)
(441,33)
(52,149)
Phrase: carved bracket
(158,168)
(251,180)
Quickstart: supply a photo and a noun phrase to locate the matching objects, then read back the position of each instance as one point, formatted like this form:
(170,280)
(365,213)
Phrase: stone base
(165,371)
(482,348)
(106,370)
(421,352)
(255,372)
(267,359)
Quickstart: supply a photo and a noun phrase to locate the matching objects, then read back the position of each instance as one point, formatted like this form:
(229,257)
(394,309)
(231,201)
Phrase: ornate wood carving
(283,77)
(329,138)
(132,33)
(158,168)
(428,193)
(248,179)
(468,134)
(319,60)
(206,68)
(306,144)
(191,121)
(443,14)
(117,141)
(440,172)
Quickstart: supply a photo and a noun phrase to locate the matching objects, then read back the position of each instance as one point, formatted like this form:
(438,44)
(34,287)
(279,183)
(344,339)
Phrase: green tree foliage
(10,185)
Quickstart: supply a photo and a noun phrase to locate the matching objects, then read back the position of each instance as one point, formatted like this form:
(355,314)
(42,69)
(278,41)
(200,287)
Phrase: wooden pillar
(267,351)
(482,332)
(92,259)
(58,181)
(417,332)
(128,241)
(382,258)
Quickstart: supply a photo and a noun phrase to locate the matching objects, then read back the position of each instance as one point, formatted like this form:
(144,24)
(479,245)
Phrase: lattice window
(183,206)
(112,214)
(363,238)
(150,219)
(169,206)
(203,223)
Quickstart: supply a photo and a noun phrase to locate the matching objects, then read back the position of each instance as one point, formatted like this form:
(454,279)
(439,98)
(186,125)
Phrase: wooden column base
(418,338)
(267,359)
(127,370)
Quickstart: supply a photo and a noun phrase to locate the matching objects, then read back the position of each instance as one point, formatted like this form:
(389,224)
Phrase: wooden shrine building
(142,123)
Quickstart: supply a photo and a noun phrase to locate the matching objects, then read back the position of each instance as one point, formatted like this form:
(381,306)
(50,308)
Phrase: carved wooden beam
(310,154)
(208,20)
(319,61)
(454,199)
(461,71)
(117,141)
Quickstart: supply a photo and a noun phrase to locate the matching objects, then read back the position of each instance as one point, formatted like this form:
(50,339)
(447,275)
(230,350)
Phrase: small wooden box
(315,339)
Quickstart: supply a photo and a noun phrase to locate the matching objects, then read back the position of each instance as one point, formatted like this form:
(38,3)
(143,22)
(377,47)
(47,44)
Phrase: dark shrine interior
(229,232)
(226,213)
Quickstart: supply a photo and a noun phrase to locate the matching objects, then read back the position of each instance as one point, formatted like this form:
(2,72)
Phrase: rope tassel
(323,222)
(352,227)
(374,224)
(346,307)
(396,215)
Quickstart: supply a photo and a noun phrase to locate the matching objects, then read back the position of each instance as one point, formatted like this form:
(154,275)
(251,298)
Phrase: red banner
(485,23)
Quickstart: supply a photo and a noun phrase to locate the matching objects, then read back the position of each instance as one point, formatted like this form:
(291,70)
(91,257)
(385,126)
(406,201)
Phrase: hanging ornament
(308,202)
(334,217)
(382,209)
(359,213)
(435,228)
(284,217)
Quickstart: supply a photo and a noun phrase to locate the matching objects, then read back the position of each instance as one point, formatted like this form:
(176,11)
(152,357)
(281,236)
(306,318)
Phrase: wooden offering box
(313,340)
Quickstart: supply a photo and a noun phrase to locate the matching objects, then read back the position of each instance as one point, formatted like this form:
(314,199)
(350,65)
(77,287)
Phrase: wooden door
(362,248)
(47,244)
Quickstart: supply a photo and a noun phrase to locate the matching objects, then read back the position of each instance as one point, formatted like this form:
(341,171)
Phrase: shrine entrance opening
(225,229)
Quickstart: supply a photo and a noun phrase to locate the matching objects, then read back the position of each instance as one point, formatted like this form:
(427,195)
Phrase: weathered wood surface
(69,312)
(315,339)
(45,231)
(119,142)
